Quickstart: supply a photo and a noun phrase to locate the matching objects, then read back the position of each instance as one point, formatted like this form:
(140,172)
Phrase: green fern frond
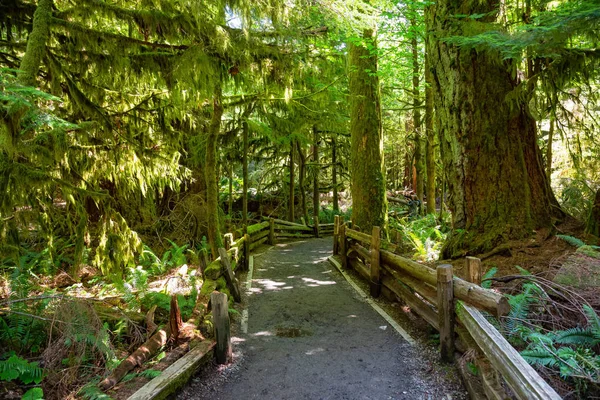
(539,356)
(573,241)
(485,280)
(593,320)
(577,337)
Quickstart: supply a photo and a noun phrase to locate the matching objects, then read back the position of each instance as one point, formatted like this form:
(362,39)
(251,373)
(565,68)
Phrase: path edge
(405,335)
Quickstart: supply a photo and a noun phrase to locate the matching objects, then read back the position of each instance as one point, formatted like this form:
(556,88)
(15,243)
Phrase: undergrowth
(425,235)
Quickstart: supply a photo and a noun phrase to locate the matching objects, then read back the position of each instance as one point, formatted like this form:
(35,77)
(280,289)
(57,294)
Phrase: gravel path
(310,336)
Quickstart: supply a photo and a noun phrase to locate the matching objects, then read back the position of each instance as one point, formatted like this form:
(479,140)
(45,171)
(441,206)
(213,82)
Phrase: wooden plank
(446,311)
(293,235)
(284,222)
(524,381)
(343,246)
(260,235)
(361,237)
(271,231)
(258,243)
(415,304)
(425,290)
(293,228)
(375,281)
(246,251)
(232,282)
(221,323)
(336,234)
(474,271)
(362,251)
(485,299)
(177,374)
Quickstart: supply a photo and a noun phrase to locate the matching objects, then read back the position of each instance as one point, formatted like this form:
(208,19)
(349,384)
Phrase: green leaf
(33,394)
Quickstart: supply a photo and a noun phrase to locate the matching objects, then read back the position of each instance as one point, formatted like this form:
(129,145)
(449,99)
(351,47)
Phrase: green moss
(221,283)
(213,271)
(589,251)
(208,287)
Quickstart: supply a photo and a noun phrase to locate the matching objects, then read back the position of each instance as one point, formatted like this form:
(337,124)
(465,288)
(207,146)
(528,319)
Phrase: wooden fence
(453,306)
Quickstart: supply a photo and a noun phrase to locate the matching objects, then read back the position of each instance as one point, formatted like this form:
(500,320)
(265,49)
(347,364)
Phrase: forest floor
(310,335)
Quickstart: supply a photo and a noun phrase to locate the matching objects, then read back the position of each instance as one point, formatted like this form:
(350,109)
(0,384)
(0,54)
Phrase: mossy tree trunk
(291,196)
(36,43)
(430,141)
(497,185)
(369,202)
(212,188)
(336,201)
(245,176)
(317,169)
(302,181)
(593,223)
(416,114)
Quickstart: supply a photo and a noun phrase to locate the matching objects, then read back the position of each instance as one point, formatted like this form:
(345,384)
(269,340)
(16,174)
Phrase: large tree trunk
(497,185)
(212,188)
(36,43)
(430,137)
(369,202)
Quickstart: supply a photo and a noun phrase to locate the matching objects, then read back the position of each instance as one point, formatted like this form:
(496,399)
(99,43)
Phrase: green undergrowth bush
(327,215)
(571,353)
(425,235)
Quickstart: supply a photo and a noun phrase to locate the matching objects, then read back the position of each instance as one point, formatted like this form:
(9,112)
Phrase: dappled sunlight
(263,334)
(313,282)
(236,339)
(315,351)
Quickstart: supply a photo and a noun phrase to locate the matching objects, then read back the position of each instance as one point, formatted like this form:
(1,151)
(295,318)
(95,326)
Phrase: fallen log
(136,359)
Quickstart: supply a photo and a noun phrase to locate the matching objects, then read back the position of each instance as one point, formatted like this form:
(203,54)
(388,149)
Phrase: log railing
(448,303)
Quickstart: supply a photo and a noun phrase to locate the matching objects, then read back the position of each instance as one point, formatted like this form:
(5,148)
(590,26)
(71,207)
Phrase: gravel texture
(310,336)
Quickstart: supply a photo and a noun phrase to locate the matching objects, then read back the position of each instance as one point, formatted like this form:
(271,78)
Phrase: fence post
(220,312)
(445,296)
(343,246)
(316,220)
(336,233)
(271,231)
(474,270)
(246,252)
(228,240)
(375,285)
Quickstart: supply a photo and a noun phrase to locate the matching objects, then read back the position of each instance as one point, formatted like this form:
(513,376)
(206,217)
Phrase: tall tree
(496,181)
(369,201)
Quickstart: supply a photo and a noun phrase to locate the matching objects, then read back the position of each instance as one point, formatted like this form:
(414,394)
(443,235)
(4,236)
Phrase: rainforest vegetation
(135,134)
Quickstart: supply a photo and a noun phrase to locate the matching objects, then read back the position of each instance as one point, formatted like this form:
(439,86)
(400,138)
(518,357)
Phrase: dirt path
(310,336)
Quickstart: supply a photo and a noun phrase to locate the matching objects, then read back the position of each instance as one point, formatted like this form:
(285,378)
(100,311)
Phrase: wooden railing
(448,303)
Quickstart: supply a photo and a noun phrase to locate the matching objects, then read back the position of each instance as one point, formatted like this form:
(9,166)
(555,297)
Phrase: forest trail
(311,336)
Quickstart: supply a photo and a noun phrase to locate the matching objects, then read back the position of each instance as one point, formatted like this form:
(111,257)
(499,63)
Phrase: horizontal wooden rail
(485,299)
(293,228)
(520,376)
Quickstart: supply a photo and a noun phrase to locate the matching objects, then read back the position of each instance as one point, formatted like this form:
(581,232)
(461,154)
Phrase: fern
(540,357)
(486,279)
(573,241)
(577,336)
(18,368)
(91,391)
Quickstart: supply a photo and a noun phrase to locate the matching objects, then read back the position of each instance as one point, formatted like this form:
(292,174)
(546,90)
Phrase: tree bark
(291,196)
(549,150)
(430,139)
(245,177)
(36,44)
(336,205)
(302,181)
(369,203)
(230,205)
(317,168)
(419,165)
(212,189)
(593,223)
(496,181)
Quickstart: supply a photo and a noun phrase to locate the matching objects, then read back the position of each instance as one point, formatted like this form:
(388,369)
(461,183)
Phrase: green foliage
(486,278)
(327,215)
(148,373)
(17,368)
(573,241)
(91,391)
(424,234)
(163,301)
(35,393)
(174,257)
